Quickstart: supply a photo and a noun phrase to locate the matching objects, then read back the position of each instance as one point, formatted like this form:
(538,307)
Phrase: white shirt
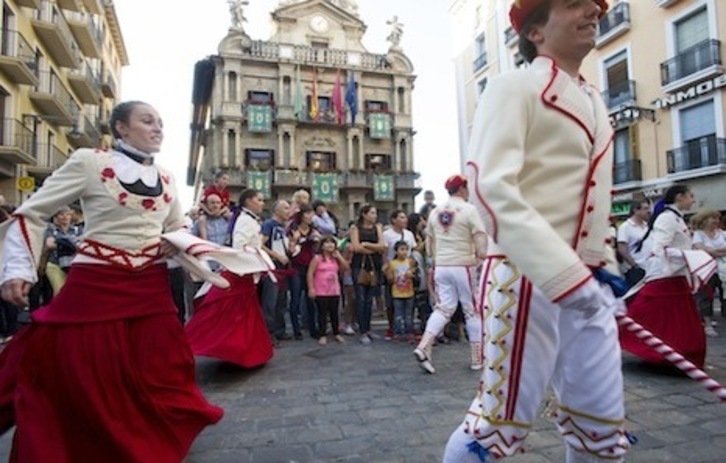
(717,242)
(631,233)
(391,237)
(457,234)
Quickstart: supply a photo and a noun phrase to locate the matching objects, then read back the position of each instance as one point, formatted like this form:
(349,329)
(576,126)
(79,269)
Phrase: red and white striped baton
(672,356)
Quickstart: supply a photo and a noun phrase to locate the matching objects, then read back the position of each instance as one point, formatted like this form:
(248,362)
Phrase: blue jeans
(299,298)
(403,315)
(363,302)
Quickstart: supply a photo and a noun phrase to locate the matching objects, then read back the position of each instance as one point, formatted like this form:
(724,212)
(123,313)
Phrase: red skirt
(228,325)
(667,308)
(113,387)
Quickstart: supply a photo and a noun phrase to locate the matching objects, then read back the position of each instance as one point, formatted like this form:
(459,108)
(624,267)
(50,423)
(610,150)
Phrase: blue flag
(351,99)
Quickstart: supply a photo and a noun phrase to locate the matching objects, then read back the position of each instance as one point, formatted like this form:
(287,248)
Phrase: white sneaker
(348,330)
(476,366)
(711,332)
(423,361)
(365,340)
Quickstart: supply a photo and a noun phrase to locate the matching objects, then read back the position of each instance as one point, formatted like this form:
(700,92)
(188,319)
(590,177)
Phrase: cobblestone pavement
(353,403)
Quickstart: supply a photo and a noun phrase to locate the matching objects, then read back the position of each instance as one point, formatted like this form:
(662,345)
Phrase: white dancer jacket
(554,235)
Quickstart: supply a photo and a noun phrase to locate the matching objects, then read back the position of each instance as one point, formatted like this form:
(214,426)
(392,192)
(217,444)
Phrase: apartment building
(308,108)
(60,69)
(659,65)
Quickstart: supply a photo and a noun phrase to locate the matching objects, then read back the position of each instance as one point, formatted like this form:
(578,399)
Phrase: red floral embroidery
(167,198)
(122,198)
(147,203)
(107,173)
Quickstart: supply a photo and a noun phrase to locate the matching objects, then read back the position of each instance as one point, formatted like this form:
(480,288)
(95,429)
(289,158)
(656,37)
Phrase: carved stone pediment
(320,142)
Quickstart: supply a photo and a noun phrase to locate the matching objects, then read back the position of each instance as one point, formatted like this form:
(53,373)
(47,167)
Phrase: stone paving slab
(361,404)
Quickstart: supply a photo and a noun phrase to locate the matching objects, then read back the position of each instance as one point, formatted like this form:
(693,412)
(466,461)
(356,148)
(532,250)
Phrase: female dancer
(104,372)
(228,323)
(366,238)
(665,305)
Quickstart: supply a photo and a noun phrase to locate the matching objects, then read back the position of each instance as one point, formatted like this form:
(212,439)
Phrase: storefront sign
(26,183)
(689,93)
(629,114)
(620,209)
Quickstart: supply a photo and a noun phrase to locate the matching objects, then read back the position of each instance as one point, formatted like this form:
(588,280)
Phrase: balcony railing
(18,58)
(619,93)
(16,46)
(50,157)
(617,16)
(317,56)
(628,171)
(289,177)
(481,61)
(691,60)
(53,30)
(90,130)
(61,108)
(108,86)
(357,180)
(408,181)
(694,154)
(17,136)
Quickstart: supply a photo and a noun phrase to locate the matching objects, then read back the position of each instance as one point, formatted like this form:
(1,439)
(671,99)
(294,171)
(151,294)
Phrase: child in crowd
(401,272)
(324,286)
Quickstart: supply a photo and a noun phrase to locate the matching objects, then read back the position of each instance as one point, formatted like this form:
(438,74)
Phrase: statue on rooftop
(396,32)
(236,10)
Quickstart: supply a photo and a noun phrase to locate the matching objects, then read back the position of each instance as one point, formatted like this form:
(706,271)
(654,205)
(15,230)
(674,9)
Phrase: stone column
(280,146)
(239,152)
(361,154)
(397,156)
(349,157)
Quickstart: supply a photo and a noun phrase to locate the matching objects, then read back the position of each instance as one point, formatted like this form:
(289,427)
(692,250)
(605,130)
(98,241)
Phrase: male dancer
(541,167)
(456,242)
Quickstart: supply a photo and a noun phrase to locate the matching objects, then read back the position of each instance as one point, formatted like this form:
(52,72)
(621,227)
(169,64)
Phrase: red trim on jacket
(552,103)
(572,290)
(586,195)
(481,200)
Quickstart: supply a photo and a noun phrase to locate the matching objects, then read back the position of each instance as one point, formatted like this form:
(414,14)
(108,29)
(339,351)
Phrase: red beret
(521,9)
(455,182)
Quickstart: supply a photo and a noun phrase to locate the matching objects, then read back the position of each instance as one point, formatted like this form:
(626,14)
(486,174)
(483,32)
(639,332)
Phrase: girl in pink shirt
(324,286)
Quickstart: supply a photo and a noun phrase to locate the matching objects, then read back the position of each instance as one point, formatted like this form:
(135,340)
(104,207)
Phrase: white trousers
(454,286)
(530,344)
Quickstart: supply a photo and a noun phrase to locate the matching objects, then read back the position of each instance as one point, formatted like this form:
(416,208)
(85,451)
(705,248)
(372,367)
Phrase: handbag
(367,277)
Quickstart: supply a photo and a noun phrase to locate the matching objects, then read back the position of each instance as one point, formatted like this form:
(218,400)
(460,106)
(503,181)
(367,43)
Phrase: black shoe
(298,337)
(283,337)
